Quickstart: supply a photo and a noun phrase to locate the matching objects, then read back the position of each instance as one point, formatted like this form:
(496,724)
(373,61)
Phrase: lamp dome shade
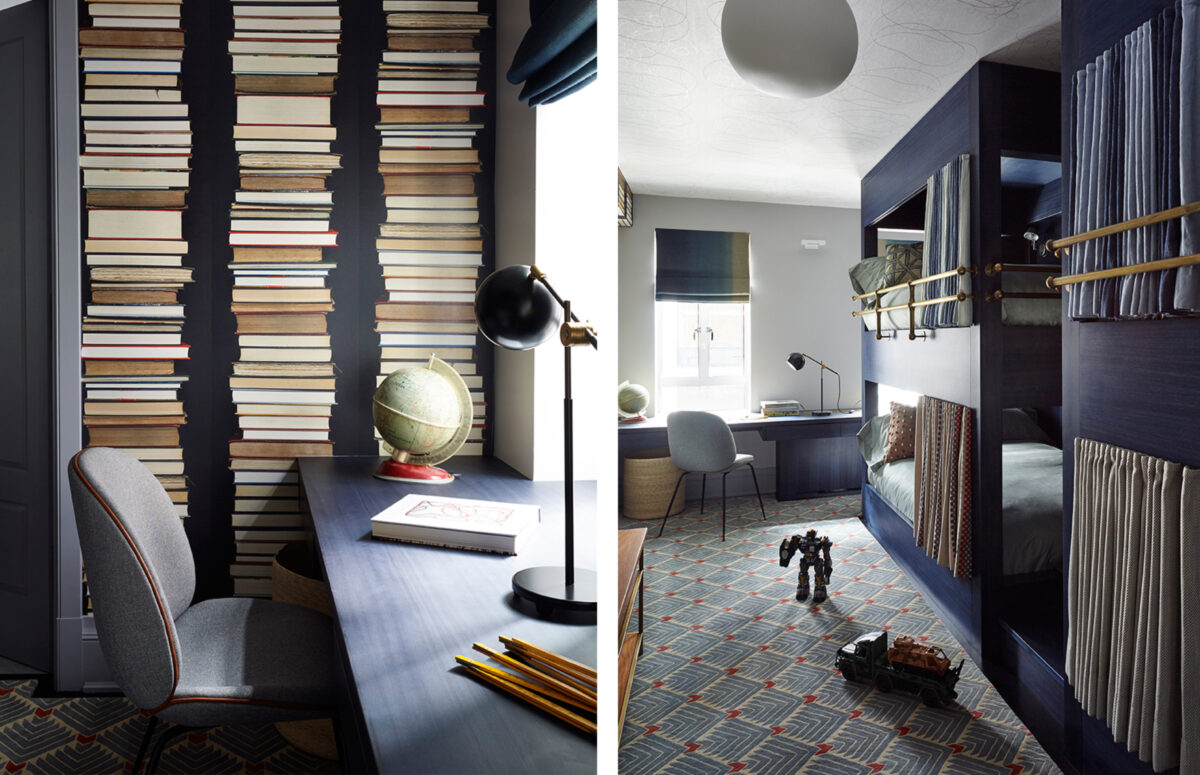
(515,311)
(790,48)
(796,361)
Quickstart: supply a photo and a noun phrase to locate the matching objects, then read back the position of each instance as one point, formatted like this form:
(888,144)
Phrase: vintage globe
(423,414)
(632,400)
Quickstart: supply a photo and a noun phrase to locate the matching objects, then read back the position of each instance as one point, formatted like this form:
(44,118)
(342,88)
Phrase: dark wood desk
(813,455)
(402,612)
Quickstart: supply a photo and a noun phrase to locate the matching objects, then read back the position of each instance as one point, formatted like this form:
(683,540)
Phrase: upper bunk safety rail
(1056,246)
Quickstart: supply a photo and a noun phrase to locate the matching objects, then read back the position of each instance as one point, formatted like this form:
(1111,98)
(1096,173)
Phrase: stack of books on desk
(431,245)
(779,408)
(285,64)
(136,158)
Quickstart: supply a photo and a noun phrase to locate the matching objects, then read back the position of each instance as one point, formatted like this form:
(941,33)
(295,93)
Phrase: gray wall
(800,299)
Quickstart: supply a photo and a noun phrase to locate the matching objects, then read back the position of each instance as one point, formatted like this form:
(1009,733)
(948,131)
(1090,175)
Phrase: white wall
(516,173)
(799,299)
(555,172)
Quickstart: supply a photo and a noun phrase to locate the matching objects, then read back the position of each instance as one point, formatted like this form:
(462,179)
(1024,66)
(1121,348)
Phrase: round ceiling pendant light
(790,48)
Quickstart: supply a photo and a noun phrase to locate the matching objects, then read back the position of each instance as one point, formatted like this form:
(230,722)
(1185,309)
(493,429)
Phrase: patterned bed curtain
(942,507)
(1131,641)
(1137,151)
(948,242)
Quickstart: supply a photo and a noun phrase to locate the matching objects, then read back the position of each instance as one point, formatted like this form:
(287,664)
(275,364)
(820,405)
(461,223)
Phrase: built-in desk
(403,611)
(813,455)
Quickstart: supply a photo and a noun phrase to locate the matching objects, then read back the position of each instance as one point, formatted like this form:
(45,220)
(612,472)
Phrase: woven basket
(292,581)
(648,483)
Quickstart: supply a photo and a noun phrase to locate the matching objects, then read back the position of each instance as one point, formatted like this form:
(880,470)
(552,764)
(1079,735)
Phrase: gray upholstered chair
(702,443)
(212,663)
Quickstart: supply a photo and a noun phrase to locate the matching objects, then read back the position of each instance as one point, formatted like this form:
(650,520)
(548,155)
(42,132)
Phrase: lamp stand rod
(568,457)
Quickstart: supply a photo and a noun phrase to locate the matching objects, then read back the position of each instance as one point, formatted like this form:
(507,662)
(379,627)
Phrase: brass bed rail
(1058,245)
(919,281)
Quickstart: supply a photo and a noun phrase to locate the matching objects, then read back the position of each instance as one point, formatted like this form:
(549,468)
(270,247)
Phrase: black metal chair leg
(671,502)
(703,482)
(141,756)
(161,745)
(723,504)
(757,491)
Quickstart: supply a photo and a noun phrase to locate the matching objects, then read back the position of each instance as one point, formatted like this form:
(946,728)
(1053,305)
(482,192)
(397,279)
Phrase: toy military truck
(907,665)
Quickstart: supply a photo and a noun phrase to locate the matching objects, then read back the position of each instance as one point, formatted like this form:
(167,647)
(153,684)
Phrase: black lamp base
(545,587)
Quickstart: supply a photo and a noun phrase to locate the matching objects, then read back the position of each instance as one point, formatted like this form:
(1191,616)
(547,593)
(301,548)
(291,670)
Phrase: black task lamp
(517,309)
(796,361)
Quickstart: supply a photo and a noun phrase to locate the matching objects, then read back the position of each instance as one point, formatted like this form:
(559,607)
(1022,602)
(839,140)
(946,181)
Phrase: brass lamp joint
(574,334)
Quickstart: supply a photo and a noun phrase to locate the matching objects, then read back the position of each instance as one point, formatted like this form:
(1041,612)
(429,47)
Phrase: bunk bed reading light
(796,361)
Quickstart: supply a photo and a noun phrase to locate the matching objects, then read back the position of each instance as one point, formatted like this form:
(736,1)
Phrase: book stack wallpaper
(137,143)
(431,245)
(285,64)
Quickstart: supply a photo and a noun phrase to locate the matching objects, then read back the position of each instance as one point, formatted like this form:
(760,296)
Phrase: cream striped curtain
(1133,592)
(942,487)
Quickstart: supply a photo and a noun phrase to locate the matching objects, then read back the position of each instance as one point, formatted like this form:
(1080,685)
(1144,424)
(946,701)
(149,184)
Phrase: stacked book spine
(285,64)
(135,166)
(431,245)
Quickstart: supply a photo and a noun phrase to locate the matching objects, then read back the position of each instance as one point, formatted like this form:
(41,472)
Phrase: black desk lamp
(796,361)
(517,309)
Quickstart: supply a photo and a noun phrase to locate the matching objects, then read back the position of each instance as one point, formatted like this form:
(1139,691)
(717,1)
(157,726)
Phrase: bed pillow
(867,275)
(901,432)
(903,262)
(1020,426)
(872,440)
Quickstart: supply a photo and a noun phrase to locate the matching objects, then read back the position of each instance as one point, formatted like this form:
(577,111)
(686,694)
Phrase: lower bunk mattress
(1032,503)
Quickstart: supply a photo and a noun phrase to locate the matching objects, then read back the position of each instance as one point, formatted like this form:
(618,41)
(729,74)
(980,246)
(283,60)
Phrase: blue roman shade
(702,266)
(557,56)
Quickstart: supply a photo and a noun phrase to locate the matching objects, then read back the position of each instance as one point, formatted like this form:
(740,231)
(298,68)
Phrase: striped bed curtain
(1133,644)
(947,243)
(1137,151)
(943,452)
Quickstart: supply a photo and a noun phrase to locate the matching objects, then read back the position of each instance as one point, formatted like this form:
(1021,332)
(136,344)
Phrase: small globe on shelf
(632,401)
(423,414)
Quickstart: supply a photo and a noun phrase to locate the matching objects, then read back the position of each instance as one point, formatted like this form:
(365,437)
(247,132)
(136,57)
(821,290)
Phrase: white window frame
(703,378)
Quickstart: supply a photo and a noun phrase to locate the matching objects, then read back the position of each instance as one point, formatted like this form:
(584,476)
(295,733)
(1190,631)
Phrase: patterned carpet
(738,677)
(101,735)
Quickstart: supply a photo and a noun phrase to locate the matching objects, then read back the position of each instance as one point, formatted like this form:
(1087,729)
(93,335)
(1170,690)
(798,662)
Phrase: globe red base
(394,471)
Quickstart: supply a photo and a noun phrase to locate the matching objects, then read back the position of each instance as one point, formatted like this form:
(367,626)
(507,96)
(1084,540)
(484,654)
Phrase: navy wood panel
(1032,366)
(403,612)
(937,138)
(26,350)
(939,365)
(1033,689)
(951,598)
(1135,384)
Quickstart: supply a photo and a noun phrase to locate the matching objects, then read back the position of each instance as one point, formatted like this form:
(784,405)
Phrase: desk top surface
(404,611)
(744,422)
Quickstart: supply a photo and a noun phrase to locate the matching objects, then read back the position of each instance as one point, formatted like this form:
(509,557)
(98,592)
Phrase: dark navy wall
(1135,383)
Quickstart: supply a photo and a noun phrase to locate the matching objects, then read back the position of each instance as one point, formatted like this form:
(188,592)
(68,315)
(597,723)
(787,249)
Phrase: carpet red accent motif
(824,748)
(1016,768)
(855,713)
(777,730)
(903,731)
(809,698)
(876,767)
(657,685)
(956,748)
(736,766)
(43,712)
(733,714)
(694,697)
(14,767)
(651,729)
(85,739)
(691,747)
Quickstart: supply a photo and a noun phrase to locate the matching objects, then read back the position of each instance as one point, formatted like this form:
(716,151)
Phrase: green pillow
(867,275)
(903,262)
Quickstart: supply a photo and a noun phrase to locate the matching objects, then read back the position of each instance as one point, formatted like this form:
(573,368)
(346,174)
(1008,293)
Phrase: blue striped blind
(702,266)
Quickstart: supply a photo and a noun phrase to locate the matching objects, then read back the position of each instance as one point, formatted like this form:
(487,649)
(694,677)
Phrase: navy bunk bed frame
(993,111)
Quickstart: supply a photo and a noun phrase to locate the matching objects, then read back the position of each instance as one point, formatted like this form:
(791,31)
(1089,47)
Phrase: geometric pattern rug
(100,736)
(737,676)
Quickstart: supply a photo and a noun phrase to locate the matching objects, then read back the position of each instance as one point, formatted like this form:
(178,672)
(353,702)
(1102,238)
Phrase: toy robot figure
(811,549)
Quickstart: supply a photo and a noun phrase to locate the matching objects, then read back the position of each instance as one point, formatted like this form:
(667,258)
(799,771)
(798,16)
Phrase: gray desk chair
(217,662)
(702,443)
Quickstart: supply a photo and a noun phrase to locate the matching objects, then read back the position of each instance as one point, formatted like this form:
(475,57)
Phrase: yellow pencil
(562,663)
(574,719)
(537,675)
(532,686)
(587,685)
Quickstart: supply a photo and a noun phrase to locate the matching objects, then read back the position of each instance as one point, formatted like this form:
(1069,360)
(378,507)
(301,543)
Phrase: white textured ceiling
(690,127)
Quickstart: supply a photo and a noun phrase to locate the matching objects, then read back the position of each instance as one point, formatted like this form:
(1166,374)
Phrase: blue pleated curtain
(557,56)
(1136,152)
(947,243)
(701,266)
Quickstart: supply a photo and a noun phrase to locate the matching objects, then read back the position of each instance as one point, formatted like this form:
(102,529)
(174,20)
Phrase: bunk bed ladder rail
(997,270)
